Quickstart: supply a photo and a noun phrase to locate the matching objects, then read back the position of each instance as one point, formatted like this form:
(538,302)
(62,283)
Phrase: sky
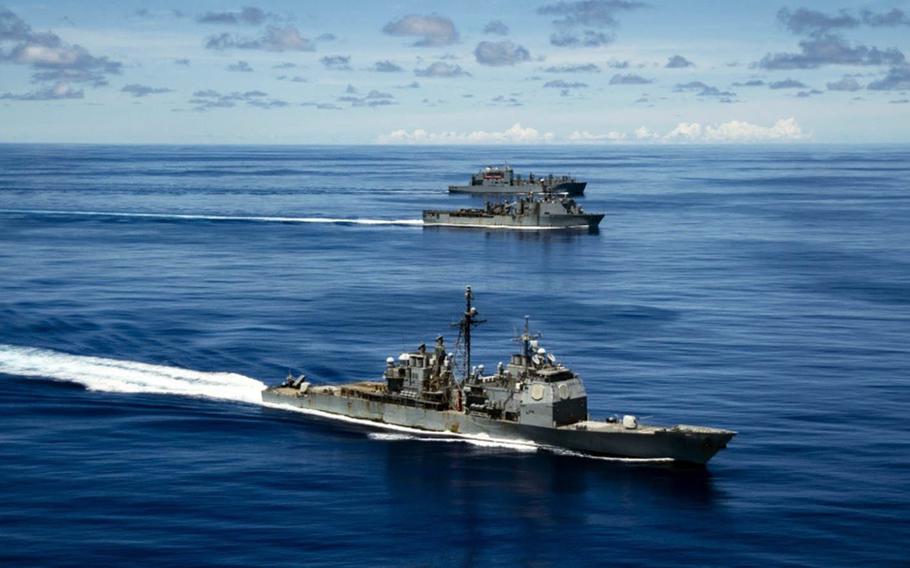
(471,72)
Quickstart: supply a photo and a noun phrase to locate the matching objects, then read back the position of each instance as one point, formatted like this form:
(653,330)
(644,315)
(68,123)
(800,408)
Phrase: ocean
(147,294)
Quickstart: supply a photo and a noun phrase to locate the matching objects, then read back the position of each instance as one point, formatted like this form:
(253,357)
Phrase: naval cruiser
(528,213)
(534,398)
(503,180)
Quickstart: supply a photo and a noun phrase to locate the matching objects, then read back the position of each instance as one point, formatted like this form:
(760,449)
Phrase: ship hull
(692,445)
(572,188)
(491,221)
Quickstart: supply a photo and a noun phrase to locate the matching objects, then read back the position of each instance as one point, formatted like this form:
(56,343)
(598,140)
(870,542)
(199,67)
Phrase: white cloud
(442,69)
(642,133)
(274,38)
(500,53)
(734,131)
(57,56)
(514,135)
(785,129)
(583,136)
(685,131)
(432,30)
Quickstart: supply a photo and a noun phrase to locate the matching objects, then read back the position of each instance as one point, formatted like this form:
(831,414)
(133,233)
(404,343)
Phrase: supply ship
(504,180)
(528,213)
(534,398)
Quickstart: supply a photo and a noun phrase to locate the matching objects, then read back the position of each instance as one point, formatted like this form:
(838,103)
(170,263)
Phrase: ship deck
(611,427)
(614,427)
(369,390)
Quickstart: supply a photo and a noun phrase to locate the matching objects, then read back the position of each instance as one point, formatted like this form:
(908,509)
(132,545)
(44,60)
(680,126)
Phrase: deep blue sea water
(762,289)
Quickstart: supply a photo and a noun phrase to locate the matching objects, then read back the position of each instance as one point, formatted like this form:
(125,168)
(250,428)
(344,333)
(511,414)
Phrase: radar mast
(468,321)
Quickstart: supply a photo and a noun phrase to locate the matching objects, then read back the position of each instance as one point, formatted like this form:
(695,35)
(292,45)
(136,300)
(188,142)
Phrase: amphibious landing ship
(534,398)
(527,213)
(504,180)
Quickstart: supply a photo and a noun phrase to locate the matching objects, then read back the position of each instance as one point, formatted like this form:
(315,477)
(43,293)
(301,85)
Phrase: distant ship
(503,180)
(528,213)
(534,398)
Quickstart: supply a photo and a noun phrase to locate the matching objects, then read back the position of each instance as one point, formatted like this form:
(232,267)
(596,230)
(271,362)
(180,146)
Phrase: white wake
(478,440)
(261,219)
(395,432)
(114,375)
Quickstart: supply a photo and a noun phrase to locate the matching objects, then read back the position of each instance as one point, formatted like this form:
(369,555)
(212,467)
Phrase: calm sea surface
(765,290)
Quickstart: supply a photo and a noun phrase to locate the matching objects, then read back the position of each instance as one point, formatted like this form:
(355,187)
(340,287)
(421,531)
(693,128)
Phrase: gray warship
(503,180)
(532,399)
(528,213)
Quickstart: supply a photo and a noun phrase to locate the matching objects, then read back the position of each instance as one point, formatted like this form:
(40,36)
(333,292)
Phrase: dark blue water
(766,290)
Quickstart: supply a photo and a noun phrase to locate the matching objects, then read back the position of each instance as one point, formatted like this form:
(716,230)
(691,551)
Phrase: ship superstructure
(504,180)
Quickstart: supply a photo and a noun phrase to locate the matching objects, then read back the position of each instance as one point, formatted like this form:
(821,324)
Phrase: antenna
(525,339)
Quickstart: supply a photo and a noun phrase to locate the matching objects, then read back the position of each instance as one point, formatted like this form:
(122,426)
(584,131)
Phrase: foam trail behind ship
(121,376)
(115,375)
(196,217)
